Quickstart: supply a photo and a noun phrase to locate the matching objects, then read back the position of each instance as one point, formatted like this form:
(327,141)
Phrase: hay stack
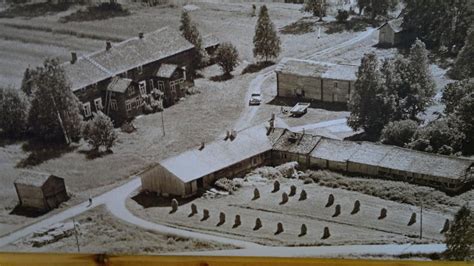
(303,195)
(326,233)
(276,186)
(330,201)
(221,219)
(258,224)
(303,231)
(445,227)
(205,214)
(356,208)
(284,198)
(337,212)
(174,206)
(383,214)
(412,219)
(292,191)
(279,228)
(237,221)
(194,210)
(256,194)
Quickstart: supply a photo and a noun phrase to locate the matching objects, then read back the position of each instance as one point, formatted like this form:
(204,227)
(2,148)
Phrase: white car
(255,99)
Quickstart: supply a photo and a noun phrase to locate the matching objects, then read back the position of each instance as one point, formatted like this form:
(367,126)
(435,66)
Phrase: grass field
(99,232)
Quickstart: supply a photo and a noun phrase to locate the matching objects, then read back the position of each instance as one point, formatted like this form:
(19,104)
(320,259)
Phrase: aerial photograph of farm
(272,128)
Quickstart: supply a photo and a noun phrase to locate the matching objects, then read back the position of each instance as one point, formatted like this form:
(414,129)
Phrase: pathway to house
(255,85)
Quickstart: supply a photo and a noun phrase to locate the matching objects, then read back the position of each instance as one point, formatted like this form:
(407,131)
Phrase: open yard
(363,227)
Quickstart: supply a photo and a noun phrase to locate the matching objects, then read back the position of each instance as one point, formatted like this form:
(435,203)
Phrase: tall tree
(464,64)
(376,7)
(369,108)
(266,41)
(191,33)
(55,111)
(14,106)
(454,92)
(27,82)
(464,113)
(421,81)
(316,7)
(460,237)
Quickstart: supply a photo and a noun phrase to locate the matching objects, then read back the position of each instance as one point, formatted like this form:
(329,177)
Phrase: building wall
(386,35)
(54,191)
(158,179)
(326,90)
(31,197)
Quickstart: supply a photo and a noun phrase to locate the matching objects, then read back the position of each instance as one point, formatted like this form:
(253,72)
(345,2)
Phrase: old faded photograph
(271,128)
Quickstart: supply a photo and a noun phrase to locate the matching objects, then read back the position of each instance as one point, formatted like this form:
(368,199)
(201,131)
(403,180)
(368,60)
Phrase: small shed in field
(40,191)
(390,33)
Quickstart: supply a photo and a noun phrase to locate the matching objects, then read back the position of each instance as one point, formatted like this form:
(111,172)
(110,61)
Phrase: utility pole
(163,122)
(421,219)
(75,234)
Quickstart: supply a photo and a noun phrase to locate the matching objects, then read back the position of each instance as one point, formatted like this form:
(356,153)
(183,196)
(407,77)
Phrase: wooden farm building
(315,81)
(40,191)
(184,174)
(122,78)
(390,33)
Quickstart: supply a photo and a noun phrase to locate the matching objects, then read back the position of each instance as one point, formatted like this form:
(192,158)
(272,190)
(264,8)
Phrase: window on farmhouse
(128,105)
(161,85)
(113,105)
(140,69)
(335,85)
(131,91)
(152,84)
(87,109)
(142,87)
(98,104)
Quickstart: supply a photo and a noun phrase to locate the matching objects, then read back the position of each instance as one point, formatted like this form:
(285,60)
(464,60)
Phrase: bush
(99,132)
(342,16)
(399,133)
(14,105)
(227,57)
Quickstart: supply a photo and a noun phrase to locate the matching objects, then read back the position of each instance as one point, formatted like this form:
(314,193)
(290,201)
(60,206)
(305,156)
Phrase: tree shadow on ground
(27,212)
(7,140)
(34,10)
(301,26)
(94,154)
(150,200)
(41,152)
(290,102)
(252,68)
(220,78)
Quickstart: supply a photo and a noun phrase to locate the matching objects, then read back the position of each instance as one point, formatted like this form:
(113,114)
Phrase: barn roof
(335,150)
(370,153)
(32,178)
(317,69)
(118,84)
(217,155)
(123,56)
(299,143)
(395,25)
(210,40)
(166,70)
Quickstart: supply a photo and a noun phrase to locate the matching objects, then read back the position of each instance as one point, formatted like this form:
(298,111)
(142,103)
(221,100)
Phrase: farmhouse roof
(123,56)
(317,69)
(32,178)
(395,25)
(296,142)
(166,70)
(370,153)
(210,40)
(217,155)
(335,150)
(119,84)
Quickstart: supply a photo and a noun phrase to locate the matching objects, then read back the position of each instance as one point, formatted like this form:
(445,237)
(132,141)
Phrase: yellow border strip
(15,259)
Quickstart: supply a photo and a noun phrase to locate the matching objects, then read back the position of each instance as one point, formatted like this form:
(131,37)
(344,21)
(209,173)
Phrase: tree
(454,92)
(55,111)
(99,132)
(440,136)
(439,23)
(14,107)
(342,16)
(464,64)
(464,114)
(316,7)
(399,133)
(191,34)
(369,107)
(421,81)
(376,7)
(27,82)
(362,4)
(266,41)
(460,236)
(227,57)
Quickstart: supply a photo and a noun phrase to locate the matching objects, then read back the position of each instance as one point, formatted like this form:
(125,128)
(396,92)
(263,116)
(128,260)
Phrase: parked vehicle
(255,99)
(299,109)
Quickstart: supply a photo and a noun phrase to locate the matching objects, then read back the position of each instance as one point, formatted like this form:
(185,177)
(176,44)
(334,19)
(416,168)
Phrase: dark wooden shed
(40,191)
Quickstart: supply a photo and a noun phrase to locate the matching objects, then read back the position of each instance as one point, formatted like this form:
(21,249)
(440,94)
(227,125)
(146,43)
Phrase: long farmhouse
(122,77)
(184,174)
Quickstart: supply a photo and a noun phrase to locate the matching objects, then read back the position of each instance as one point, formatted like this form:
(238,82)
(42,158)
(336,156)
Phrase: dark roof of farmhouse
(119,84)
(395,24)
(123,56)
(324,70)
(32,178)
(296,142)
